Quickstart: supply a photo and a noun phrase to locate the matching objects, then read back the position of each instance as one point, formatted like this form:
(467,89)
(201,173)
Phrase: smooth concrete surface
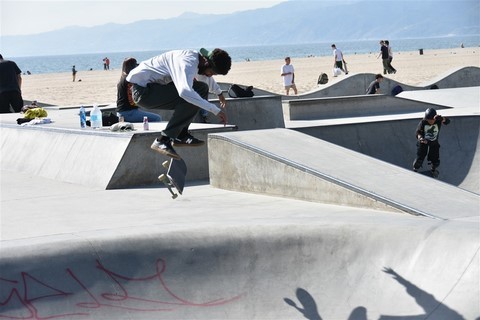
(76,252)
(72,251)
(258,112)
(94,157)
(308,170)
(394,141)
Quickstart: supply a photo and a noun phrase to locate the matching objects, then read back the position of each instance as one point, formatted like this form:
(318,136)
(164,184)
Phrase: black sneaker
(164,147)
(188,141)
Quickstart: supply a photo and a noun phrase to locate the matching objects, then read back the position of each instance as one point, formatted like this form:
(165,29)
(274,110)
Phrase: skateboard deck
(175,176)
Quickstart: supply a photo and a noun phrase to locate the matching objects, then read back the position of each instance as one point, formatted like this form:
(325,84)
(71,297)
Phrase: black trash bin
(420,51)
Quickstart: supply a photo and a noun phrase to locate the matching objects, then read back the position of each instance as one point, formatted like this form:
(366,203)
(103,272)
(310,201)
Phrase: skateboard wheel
(165,164)
(162,177)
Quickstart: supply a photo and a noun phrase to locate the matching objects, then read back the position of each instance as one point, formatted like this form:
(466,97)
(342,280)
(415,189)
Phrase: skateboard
(175,176)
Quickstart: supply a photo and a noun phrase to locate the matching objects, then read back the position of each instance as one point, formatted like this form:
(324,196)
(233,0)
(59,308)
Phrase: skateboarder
(427,134)
(180,80)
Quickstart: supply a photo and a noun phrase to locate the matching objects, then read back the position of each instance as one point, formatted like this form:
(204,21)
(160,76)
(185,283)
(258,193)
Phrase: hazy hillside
(290,22)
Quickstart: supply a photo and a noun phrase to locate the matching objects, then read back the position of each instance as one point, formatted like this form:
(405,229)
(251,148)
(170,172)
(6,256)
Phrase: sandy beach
(412,68)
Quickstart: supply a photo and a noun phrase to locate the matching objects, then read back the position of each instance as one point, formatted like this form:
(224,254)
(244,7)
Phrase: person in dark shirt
(126,107)
(374,86)
(10,86)
(427,134)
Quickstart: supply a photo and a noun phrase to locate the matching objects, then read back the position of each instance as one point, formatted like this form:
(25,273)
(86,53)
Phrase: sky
(19,17)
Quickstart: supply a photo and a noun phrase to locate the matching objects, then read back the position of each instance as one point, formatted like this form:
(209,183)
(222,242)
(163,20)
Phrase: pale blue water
(82,62)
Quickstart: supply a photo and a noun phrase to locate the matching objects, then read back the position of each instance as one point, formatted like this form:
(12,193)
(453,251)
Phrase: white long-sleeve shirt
(181,68)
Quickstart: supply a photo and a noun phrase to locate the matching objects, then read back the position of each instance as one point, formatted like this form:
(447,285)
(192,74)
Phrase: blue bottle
(83,118)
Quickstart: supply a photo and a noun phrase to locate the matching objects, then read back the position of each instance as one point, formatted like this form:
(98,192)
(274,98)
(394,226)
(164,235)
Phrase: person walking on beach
(126,108)
(385,57)
(180,80)
(74,73)
(374,86)
(10,86)
(338,59)
(288,74)
(390,58)
(427,134)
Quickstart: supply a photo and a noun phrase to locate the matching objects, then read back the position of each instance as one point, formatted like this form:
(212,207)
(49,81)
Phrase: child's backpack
(235,91)
(323,78)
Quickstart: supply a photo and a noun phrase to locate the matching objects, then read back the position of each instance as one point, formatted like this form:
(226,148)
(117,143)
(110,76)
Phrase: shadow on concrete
(425,300)
(309,309)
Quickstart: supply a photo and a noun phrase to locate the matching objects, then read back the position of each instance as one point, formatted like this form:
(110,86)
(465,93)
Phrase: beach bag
(109,118)
(323,78)
(337,72)
(235,91)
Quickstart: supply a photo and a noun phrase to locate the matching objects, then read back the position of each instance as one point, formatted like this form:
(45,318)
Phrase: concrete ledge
(100,159)
(352,106)
(315,170)
(258,112)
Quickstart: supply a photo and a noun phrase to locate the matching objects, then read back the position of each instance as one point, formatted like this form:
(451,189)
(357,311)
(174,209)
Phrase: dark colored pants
(10,98)
(159,96)
(432,148)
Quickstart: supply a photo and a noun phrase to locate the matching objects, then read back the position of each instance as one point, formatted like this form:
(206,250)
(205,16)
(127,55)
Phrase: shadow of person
(359,313)
(309,309)
(425,300)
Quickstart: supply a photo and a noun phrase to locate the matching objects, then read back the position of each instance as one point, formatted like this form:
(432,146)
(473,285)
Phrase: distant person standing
(107,63)
(74,73)
(288,74)
(390,57)
(374,86)
(338,59)
(10,86)
(385,57)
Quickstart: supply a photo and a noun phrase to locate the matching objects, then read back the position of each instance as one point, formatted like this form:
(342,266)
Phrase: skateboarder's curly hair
(221,61)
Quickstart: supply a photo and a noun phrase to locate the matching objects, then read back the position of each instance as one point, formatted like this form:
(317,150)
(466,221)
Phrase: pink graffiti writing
(23,296)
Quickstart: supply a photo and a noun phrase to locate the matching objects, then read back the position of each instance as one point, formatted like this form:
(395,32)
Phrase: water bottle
(83,117)
(145,123)
(96,117)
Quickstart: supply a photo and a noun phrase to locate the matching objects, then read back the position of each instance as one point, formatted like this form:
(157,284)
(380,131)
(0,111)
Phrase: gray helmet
(430,113)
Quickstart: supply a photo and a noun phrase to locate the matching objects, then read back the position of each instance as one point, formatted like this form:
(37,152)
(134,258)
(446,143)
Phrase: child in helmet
(427,133)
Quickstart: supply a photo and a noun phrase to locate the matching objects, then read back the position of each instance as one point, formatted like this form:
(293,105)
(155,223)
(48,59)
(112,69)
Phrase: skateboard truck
(163,178)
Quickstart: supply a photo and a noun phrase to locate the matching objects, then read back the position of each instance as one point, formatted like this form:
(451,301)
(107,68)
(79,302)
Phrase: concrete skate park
(302,207)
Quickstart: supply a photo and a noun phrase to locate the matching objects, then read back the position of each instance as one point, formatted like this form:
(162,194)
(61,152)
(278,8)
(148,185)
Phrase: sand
(412,68)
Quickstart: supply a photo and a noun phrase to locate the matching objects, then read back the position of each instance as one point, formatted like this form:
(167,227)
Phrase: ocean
(94,61)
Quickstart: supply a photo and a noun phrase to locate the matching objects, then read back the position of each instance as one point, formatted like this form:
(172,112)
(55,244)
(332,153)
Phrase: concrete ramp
(378,266)
(394,141)
(286,163)
(99,159)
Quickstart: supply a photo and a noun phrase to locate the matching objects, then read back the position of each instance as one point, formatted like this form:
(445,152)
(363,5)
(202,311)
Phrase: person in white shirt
(288,74)
(180,80)
(338,58)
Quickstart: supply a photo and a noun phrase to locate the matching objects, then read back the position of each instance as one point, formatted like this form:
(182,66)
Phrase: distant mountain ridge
(289,22)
